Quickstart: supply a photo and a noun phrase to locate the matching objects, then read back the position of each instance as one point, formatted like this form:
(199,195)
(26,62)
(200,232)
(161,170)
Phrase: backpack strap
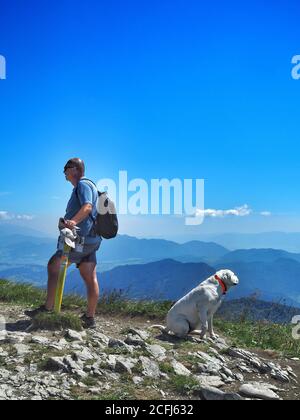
(76,192)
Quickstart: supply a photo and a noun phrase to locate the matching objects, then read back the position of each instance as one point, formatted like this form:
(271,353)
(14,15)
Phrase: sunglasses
(69,167)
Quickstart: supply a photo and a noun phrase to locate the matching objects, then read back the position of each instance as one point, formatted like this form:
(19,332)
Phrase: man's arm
(83,214)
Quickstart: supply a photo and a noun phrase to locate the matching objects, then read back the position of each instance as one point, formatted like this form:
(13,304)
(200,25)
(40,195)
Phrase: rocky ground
(124,359)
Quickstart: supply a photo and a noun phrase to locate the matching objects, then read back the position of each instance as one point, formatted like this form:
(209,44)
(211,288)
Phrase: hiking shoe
(88,323)
(33,313)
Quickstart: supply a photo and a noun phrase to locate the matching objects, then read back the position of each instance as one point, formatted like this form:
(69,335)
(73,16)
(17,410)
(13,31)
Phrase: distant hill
(272,280)
(162,280)
(170,279)
(276,240)
(9,229)
(126,248)
(257,255)
(21,249)
(252,309)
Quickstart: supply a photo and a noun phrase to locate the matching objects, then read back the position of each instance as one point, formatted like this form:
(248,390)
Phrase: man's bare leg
(89,274)
(53,273)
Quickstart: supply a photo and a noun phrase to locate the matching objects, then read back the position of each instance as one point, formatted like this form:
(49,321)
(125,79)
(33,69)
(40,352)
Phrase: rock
(210,381)
(56,364)
(125,365)
(180,369)
(215,394)
(22,349)
(141,333)
(280,375)
(259,391)
(42,341)
(84,355)
(250,359)
(102,338)
(115,343)
(158,352)
(71,364)
(150,368)
(74,335)
(17,337)
(137,380)
(134,340)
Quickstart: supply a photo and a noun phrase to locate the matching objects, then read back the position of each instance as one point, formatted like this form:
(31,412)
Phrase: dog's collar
(222,284)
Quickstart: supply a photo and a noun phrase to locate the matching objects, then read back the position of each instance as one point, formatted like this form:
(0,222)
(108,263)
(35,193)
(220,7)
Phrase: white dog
(196,310)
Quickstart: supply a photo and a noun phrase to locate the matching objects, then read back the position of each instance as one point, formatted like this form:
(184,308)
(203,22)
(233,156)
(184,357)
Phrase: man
(81,212)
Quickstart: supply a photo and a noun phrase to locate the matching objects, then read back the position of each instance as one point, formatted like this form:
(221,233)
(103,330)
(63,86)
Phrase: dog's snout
(236,281)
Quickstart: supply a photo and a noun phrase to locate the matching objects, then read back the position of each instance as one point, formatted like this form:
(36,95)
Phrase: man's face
(70,173)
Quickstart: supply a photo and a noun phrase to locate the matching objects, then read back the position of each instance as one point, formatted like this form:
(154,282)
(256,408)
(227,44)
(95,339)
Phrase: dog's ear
(232,278)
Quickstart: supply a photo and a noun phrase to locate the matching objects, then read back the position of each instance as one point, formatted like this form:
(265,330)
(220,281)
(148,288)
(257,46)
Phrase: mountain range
(157,268)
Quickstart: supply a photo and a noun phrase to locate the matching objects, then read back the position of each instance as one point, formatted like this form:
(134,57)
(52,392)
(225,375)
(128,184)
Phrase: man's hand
(70,224)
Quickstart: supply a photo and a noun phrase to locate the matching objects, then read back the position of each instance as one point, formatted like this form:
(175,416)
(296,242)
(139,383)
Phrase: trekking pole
(62,278)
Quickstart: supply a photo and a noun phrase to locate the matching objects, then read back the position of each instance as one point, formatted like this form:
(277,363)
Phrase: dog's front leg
(204,323)
(211,328)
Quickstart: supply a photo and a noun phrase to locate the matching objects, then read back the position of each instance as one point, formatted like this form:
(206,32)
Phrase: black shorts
(87,255)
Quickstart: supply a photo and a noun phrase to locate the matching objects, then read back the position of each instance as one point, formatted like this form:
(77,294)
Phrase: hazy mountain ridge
(158,268)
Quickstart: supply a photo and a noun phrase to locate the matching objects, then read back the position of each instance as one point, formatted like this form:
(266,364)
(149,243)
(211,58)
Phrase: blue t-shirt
(84,193)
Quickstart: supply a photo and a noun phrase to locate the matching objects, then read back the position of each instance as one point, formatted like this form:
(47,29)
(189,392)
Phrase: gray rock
(259,391)
(84,355)
(114,343)
(150,368)
(144,335)
(280,375)
(102,338)
(74,335)
(134,340)
(125,365)
(71,364)
(56,364)
(210,381)
(42,341)
(158,352)
(215,394)
(180,369)
(22,349)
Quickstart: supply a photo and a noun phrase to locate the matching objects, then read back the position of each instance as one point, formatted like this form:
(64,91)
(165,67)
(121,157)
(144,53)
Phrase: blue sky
(175,89)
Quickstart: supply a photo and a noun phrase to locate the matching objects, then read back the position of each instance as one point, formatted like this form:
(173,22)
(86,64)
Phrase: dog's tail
(161,328)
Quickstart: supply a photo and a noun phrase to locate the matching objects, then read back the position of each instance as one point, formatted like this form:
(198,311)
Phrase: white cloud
(266,213)
(237,211)
(5,215)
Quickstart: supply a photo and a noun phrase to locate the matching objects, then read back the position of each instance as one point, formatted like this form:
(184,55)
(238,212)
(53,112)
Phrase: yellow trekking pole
(62,278)
(68,237)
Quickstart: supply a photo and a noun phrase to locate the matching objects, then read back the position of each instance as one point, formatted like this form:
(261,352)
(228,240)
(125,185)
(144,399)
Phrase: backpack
(106,223)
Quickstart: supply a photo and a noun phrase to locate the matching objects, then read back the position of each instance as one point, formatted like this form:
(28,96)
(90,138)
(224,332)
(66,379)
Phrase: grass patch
(22,294)
(54,322)
(117,304)
(28,295)
(266,336)
(113,304)
(166,368)
(183,385)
